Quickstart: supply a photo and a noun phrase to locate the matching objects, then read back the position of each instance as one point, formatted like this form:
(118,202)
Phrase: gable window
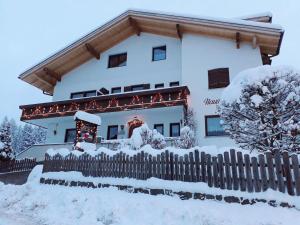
(159,53)
(83,94)
(115,90)
(159,128)
(159,85)
(213,126)
(117,60)
(112,132)
(218,78)
(70,135)
(174,129)
(175,83)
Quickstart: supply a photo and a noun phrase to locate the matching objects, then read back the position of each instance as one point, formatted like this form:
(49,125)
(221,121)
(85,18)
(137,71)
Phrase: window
(83,94)
(137,87)
(112,132)
(174,129)
(159,128)
(213,126)
(159,85)
(159,53)
(117,60)
(175,83)
(90,93)
(218,78)
(116,90)
(70,135)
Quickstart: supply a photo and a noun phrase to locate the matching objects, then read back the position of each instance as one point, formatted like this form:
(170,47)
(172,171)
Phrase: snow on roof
(237,21)
(256,15)
(88,117)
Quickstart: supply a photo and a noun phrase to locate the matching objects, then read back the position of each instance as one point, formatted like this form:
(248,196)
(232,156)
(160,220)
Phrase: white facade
(188,61)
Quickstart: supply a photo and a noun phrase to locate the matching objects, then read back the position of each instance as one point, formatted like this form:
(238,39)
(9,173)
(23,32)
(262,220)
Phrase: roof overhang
(47,73)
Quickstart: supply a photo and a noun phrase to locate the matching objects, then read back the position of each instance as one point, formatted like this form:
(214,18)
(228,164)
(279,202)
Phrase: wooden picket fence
(17,165)
(231,170)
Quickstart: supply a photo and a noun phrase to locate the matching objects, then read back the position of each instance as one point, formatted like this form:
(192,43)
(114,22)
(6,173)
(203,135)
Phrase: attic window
(117,60)
(218,78)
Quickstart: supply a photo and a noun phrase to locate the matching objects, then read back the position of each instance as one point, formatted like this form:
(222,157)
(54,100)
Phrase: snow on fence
(17,165)
(232,170)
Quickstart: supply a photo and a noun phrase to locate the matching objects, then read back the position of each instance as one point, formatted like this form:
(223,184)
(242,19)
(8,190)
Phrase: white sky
(32,30)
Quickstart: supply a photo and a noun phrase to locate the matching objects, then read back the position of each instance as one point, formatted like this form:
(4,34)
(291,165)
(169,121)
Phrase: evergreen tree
(5,140)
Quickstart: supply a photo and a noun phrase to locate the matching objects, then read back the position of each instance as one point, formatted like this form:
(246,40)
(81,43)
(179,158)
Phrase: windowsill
(115,67)
(159,60)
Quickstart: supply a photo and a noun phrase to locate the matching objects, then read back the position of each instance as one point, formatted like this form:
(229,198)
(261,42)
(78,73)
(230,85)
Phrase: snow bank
(252,76)
(88,117)
(156,183)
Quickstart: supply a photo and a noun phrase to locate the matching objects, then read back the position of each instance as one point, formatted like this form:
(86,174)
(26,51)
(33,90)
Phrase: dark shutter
(218,78)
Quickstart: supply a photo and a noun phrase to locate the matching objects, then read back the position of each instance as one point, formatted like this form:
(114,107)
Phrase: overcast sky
(32,30)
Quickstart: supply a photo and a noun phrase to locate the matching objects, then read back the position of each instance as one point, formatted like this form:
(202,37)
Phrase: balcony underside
(155,98)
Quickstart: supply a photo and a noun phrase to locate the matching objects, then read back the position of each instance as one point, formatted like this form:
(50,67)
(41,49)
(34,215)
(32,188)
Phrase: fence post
(248,173)
(234,170)
(295,164)
(271,170)
(278,166)
(263,174)
(287,169)
(197,165)
(256,181)
(192,170)
(221,171)
(209,174)
(228,178)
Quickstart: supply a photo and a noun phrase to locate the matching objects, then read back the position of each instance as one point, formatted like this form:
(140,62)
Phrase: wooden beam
(92,50)
(238,39)
(179,32)
(52,73)
(135,26)
(47,83)
(254,42)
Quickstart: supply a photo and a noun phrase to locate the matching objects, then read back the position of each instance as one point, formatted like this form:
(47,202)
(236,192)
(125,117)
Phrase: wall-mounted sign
(209,101)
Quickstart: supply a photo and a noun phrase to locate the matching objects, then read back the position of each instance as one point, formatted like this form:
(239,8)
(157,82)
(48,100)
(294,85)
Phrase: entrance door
(133,124)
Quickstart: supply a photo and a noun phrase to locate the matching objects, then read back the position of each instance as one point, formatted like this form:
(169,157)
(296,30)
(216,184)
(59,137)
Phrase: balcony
(153,98)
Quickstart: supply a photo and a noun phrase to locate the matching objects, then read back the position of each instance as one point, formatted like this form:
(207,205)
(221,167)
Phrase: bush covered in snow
(187,138)
(142,136)
(260,109)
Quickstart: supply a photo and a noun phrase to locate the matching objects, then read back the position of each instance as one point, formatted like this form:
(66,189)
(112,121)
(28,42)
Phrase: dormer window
(117,60)
(159,53)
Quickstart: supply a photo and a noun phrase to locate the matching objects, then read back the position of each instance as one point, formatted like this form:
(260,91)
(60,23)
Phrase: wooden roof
(45,74)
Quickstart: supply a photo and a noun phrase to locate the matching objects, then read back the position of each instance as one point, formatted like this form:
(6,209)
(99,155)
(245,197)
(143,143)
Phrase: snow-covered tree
(28,138)
(260,109)
(187,138)
(158,140)
(6,152)
(190,120)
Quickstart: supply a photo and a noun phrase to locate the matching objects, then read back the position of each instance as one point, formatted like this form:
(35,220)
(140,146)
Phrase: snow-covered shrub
(6,152)
(187,138)
(142,136)
(260,109)
(158,140)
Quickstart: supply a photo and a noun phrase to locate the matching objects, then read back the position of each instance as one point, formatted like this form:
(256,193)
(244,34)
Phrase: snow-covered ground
(33,204)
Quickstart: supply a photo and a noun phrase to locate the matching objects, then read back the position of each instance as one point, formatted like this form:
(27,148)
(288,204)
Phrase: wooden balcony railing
(154,98)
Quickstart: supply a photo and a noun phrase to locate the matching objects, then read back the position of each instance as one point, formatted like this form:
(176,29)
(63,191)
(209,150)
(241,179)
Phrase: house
(149,67)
